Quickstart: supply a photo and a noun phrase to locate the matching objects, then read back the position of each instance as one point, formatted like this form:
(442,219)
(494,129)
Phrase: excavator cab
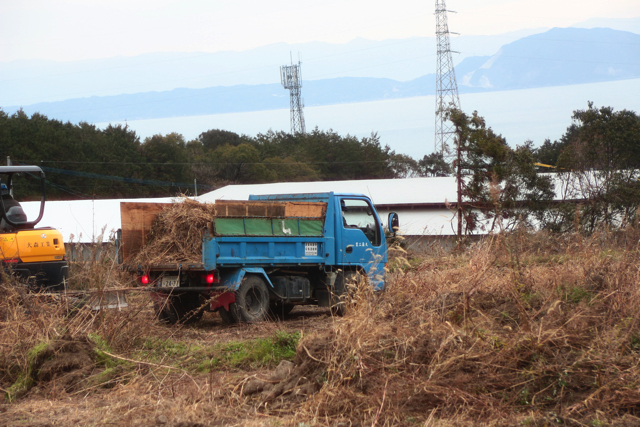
(36,255)
(11,209)
(12,216)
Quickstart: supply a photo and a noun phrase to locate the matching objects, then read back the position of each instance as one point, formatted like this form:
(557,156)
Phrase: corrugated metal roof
(410,197)
(408,191)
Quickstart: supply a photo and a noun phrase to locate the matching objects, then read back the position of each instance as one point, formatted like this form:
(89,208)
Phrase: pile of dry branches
(176,234)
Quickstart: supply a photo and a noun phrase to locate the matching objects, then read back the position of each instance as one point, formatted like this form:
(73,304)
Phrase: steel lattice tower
(291,78)
(446,86)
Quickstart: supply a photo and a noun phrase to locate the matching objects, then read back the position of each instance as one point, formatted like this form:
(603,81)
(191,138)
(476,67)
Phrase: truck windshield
(359,214)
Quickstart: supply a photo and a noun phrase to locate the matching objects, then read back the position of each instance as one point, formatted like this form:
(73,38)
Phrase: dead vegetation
(176,234)
(520,329)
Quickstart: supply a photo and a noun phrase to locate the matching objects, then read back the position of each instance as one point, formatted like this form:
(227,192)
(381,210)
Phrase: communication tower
(291,79)
(446,86)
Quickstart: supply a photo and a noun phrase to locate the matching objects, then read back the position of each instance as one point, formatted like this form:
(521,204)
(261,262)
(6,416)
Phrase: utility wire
(68,190)
(122,179)
(26,162)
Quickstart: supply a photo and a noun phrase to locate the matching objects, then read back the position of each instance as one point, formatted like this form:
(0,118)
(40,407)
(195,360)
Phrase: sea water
(408,125)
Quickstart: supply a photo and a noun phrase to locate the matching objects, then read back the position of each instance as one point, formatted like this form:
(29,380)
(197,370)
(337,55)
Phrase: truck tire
(165,313)
(229,317)
(343,288)
(185,309)
(188,308)
(252,300)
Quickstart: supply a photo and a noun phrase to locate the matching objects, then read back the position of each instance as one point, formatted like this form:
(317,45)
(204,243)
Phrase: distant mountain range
(623,24)
(27,82)
(559,56)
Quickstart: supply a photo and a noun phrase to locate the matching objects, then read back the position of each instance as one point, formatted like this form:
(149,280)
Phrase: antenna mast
(291,78)
(446,86)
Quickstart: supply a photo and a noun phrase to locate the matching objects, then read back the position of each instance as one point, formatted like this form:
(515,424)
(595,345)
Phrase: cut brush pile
(172,233)
(523,328)
(176,234)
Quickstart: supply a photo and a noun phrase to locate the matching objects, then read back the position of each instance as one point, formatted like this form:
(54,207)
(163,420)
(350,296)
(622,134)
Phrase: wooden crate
(305,209)
(270,209)
(136,219)
(246,208)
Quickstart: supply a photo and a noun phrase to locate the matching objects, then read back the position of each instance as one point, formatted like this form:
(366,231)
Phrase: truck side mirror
(394,223)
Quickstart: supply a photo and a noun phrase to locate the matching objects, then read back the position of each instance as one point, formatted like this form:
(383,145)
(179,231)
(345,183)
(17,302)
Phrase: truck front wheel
(345,286)
(252,300)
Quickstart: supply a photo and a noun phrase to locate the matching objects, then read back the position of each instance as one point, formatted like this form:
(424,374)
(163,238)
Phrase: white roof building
(421,204)
(82,221)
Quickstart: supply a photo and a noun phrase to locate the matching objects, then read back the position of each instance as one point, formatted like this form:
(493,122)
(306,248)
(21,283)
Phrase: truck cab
(354,231)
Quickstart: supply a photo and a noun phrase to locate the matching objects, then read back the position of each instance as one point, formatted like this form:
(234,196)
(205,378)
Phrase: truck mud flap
(222,300)
(324,296)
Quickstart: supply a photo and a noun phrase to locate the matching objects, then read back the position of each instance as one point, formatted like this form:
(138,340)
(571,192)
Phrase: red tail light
(211,278)
(144,279)
(11,261)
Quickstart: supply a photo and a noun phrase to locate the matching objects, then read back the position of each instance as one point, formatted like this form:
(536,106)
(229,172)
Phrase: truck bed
(240,234)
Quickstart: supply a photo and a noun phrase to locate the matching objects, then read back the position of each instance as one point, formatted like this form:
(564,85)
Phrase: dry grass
(520,329)
(58,332)
(536,325)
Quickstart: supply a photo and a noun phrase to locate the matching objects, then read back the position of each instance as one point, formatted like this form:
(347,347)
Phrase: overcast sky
(79,29)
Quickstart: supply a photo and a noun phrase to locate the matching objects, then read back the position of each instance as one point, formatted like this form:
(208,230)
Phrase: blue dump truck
(264,256)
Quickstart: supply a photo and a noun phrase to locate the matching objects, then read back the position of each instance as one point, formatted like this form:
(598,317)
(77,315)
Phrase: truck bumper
(45,276)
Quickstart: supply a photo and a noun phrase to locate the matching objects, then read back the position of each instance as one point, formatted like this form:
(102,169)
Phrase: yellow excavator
(36,255)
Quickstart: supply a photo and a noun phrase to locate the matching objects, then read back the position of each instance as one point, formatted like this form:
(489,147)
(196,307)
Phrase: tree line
(78,157)
(591,179)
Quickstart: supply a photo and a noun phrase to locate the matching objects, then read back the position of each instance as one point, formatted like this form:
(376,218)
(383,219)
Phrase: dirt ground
(155,396)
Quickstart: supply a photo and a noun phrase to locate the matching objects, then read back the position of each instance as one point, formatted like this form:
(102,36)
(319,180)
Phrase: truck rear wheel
(252,300)
(165,313)
(188,308)
(185,309)
(230,317)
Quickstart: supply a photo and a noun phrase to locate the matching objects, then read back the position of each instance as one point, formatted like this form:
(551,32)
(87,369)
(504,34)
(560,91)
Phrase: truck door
(362,242)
